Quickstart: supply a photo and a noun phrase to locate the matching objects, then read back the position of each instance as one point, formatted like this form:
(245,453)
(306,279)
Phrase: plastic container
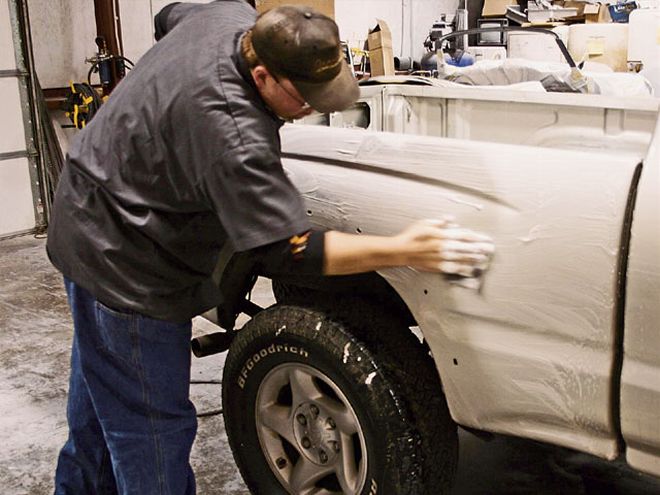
(603,43)
(644,44)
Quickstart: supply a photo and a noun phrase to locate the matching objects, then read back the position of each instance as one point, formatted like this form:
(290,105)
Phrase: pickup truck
(356,385)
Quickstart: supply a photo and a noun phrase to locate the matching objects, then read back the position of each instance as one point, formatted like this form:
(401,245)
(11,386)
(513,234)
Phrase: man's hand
(429,245)
(442,246)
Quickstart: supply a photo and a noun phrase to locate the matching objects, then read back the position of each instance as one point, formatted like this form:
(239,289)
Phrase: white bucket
(603,43)
(644,44)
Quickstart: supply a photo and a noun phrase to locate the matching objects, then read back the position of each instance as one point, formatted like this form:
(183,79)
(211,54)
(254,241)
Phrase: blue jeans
(131,423)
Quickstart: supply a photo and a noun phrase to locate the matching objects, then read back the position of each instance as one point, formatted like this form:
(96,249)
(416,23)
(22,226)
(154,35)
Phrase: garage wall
(64,30)
(137,24)
(63,33)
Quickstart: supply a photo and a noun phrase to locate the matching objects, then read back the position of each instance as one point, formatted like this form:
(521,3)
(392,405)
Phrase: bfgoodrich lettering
(261,354)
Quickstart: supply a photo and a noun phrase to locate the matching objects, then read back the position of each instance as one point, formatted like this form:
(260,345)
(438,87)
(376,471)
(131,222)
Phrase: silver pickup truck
(356,384)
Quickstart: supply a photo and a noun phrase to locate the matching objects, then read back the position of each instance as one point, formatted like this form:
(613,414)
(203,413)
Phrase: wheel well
(365,287)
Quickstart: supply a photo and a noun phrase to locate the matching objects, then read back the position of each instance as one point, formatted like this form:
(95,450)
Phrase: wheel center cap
(316,434)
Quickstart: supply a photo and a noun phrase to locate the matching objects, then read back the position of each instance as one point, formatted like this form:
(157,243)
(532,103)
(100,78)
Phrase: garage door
(20,206)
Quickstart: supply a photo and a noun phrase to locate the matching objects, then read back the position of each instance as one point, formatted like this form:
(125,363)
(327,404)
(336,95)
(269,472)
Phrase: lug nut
(306,443)
(314,410)
(281,463)
(302,419)
(335,446)
(323,457)
(330,423)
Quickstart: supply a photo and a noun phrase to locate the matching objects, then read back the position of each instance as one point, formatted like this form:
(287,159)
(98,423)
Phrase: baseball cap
(303,45)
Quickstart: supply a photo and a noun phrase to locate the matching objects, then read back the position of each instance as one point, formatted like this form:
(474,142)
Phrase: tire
(384,330)
(303,390)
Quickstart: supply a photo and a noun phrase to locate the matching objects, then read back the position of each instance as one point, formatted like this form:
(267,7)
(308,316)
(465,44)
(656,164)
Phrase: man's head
(300,62)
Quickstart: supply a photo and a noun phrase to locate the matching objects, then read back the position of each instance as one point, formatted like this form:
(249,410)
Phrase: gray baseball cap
(303,45)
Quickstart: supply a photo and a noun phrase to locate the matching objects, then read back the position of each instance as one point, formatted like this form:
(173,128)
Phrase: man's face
(280,95)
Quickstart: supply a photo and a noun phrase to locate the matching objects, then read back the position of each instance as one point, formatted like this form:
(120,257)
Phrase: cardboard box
(381,55)
(596,13)
(326,7)
(575,4)
(496,8)
(587,12)
(380,36)
(381,61)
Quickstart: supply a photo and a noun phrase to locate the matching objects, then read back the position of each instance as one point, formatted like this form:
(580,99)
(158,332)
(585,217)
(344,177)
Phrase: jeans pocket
(117,332)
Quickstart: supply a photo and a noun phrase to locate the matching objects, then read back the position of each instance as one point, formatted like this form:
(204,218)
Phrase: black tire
(394,403)
(384,329)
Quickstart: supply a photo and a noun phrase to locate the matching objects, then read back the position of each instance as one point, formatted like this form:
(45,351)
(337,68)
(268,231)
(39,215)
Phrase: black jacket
(182,159)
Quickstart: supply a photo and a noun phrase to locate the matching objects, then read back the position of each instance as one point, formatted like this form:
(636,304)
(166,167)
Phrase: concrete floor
(35,332)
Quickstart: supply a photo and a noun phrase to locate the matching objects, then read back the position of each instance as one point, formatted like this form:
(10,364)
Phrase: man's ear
(260,74)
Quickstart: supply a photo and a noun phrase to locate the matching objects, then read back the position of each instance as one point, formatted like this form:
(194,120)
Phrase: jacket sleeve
(301,254)
(169,17)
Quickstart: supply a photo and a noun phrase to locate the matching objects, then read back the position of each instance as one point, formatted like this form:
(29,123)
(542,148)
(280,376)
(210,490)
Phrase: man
(182,160)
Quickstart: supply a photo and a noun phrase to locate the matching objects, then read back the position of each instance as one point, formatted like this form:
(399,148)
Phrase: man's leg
(137,372)
(148,420)
(84,463)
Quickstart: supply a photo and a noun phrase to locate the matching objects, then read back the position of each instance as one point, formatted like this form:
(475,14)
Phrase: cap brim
(331,96)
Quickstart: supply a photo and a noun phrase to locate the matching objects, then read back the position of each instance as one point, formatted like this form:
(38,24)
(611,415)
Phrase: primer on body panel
(640,388)
(531,354)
